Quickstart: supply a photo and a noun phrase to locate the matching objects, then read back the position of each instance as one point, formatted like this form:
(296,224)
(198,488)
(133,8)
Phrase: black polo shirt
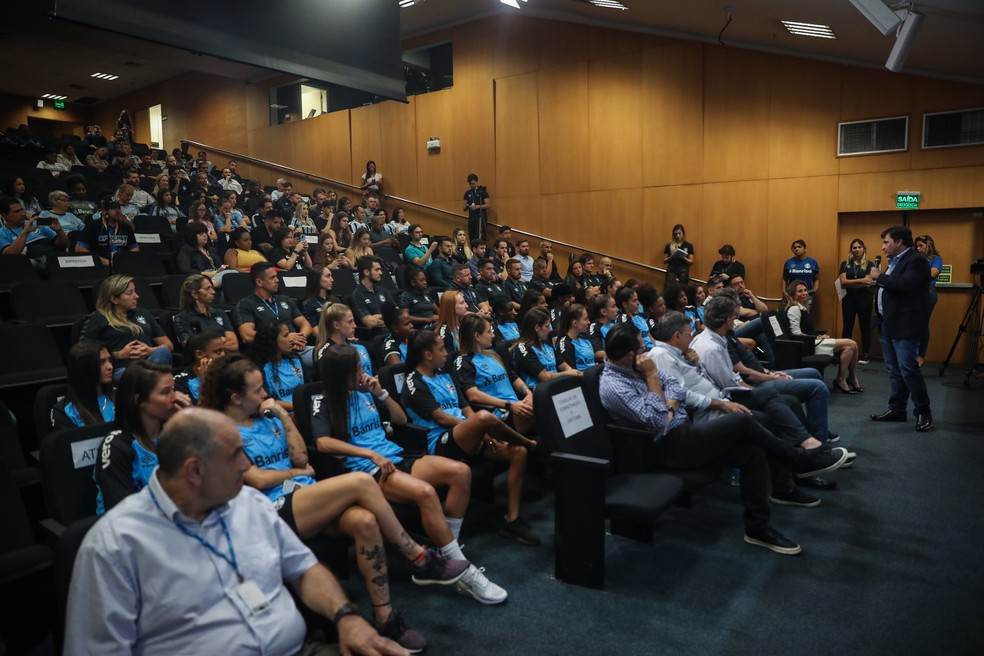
(515,289)
(471,296)
(252,309)
(191,322)
(97,328)
(365,302)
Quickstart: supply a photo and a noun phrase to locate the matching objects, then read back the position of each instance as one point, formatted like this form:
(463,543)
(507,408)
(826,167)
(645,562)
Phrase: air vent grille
(883,135)
(946,129)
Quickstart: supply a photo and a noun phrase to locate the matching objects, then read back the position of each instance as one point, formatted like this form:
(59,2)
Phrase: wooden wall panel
(737,213)
(673,114)
(609,223)
(398,148)
(941,188)
(563,122)
(367,141)
(615,122)
(805,105)
(436,177)
(736,115)
(562,44)
(516,44)
(522,214)
(474,148)
(664,207)
(517,138)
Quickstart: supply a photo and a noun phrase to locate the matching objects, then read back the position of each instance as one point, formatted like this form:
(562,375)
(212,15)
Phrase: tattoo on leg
(407,544)
(377,556)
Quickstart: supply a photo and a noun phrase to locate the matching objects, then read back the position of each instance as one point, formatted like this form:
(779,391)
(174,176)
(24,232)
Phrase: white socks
(452,551)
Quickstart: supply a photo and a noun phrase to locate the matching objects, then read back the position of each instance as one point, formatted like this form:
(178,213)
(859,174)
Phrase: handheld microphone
(878,262)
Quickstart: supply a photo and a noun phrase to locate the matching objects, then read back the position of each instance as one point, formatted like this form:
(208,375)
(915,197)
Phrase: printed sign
(572,410)
(75,261)
(295,281)
(148,238)
(946,273)
(85,452)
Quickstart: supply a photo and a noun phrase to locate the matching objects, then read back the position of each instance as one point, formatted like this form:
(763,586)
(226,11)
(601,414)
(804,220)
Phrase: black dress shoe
(924,423)
(889,415)
(817,483)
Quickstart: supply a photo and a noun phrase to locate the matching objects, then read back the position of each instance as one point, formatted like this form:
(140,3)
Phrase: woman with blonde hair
(129,332)
(678,256)
(337,326)
(462,253)
(360,247)
(451,311)
(846,350)
(926,247)
(302,220)
(858,296)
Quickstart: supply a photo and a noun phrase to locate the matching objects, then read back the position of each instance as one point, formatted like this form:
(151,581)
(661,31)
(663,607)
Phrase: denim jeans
(904,375)
(807,386)
(754,330)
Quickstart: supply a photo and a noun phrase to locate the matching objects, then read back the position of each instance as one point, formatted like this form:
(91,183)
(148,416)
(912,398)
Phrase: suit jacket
(905,308)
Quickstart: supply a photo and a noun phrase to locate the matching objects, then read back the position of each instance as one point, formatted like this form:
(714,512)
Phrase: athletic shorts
(405,466)
(286,512)
(447,447)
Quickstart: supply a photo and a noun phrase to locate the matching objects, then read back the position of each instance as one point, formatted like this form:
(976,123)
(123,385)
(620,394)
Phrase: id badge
(290,485)
(253,597)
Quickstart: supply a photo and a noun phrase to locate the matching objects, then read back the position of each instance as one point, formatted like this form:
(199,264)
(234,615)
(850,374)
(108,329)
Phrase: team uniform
(505,332)
(253,309)
(417,303)
(392,346)
(282,378)
(312,309)
(422,395)
(530,361)
(124,467)
(643,324)
(364,358)
(365,302)
(487,374)
(471,296)
(806,270)
(450,338)
(492,291)
(597,333)
(578,353)
(189,384)
(265,443)
(365,429)
(104,241)
(65,415)
(515,290)
(192,322)
(97,328)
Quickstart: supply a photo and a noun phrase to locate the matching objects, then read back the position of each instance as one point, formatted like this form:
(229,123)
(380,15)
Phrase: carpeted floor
(891,560)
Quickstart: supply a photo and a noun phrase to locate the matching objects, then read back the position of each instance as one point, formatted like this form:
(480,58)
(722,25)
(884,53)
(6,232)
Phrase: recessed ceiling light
(608,4)
(809,29)
(105,76)
(52,96)
(512,3)
(409,3)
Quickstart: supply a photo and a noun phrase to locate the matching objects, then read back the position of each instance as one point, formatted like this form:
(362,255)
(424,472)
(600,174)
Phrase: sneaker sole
(518,538)
(787,551)
(488,602)
(787,502)
(436,581)
(828,468)
(851,457)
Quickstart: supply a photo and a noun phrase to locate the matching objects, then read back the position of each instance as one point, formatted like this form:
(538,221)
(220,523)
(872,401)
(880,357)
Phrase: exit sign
(907,200)
(59,104)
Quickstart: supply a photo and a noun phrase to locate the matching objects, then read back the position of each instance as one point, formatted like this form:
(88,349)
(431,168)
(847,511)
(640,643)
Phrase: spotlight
(903,41)
(878,14)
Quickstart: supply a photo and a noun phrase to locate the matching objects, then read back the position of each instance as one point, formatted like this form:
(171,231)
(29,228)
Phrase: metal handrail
(292,170)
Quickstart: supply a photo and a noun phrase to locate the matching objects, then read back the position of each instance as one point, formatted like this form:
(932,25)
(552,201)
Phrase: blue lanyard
(273,307)
(231,558)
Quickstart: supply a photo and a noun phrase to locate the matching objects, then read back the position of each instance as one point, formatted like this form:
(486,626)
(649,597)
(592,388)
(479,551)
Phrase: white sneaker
(476,585)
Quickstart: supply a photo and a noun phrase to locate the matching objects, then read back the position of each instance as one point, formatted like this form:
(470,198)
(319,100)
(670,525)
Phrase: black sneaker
(795,497)
(818,461)
(438,569)
(396,630)
(520,531)
(772,539)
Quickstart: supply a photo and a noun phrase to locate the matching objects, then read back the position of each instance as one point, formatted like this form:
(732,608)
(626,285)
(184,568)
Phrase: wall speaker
(903,41)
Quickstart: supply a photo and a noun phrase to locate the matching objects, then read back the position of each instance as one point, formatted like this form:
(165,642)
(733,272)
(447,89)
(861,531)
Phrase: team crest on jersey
(806,266)
(141,320)
(276,432)
(220,321)
(369,404)
(450,386)
(368,301)
(283,304)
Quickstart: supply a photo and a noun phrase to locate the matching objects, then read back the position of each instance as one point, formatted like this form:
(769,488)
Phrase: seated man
(264,305)
(108,234)
(514,284)
(489,286)
(129,595)
(749,325)
(636,393)
(541,281)
(462,281)
(369,295)
(20,235)
(439,272)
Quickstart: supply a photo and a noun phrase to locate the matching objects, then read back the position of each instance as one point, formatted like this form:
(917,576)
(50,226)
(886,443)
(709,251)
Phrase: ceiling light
(409,3)
(608,4)
(52,96)
(512,3)
(105,76)
(809,29)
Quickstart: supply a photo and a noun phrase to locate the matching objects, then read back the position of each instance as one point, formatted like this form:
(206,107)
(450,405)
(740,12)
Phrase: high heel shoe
(857,389)
(837,388)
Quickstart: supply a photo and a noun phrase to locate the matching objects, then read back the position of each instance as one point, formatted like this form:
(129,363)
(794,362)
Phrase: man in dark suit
(902,316)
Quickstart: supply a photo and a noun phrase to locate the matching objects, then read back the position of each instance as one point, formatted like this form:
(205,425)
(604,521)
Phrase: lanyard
(231,558)
(273,307)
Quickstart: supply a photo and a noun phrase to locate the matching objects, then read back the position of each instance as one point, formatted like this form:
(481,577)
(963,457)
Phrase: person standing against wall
(477,205)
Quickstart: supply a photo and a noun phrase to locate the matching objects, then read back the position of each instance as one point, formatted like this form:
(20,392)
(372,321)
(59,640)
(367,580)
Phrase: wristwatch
(344,611)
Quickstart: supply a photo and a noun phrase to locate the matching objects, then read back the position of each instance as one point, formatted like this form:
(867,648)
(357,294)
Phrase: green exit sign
(59,104)
(907,200)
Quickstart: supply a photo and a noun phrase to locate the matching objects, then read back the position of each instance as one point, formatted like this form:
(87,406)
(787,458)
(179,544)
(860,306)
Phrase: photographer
(477,205)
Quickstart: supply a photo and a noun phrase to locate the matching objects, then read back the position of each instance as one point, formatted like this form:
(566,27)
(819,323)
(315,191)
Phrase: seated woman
(462,252)
(199,214)
(627,300)
(397,321)
(341,232)
(282,369)
(166,206)
(351,504)
(235,214)
(68,157)
(360,247)
(452,310)
(677,298)
(504,324)
(89,398)
(416,300)
(146,399)
(198,316)
(532,299)
(602,312)
(456,431)
(240,255)
(197,255)
(533,356)
(201,351)
(337,326)
(486,380)
(327,255)
(51,164)
(696,295)
(317,295)
(350,423)
(575,275)
(288,252)
(124,194)
(18,190)
(846,350)
(573,346)
(59,202)
(129,332)
(302,221)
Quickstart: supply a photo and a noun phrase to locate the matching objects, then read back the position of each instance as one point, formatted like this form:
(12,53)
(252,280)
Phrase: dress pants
(904,374)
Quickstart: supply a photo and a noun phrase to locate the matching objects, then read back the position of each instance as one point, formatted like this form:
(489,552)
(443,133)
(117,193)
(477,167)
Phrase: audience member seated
(350,503)
(327,255)
(229,183)
(201,350)
(98,159)
(337,326)
(846,350)
(360,248)
(627,300)
(21,235)
(265,305)
(479,248)
(128,455)
(51,164)
(282,369)
(637,393)
(678,256)
(317,295)
(461,281)
(166,206)
(198,314)
(399,224)
(603,312)
(423,311)
(88,401)
(452,310)
(302,221)
(573,346)
(94,138)
(675,298)
(17,189)
(417,254)
(533,356)
(533,299)
(489,285)
(148,168)
(401,331)
(456,431)
(461,253)
(240,256)
(525,259)
(439,272)
(127,589)
(80,205)
(378,234)
(500,255)
(369,295)
(197,255)
(541,281)
(341,231)
(513,284)
(504,326)
(485,379)
(264,230)
(107,235)
(290,253)
(140,198)
(727,267)
(68,157)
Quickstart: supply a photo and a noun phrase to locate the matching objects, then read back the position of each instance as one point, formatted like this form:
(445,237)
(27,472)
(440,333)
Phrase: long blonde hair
(113,287)
(850,255)
(331,313)
(454,239)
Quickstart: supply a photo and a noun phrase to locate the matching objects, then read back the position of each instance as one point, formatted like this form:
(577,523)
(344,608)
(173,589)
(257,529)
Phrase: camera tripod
(971,323)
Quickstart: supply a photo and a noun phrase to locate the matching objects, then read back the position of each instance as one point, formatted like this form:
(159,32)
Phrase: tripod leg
(968,317)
